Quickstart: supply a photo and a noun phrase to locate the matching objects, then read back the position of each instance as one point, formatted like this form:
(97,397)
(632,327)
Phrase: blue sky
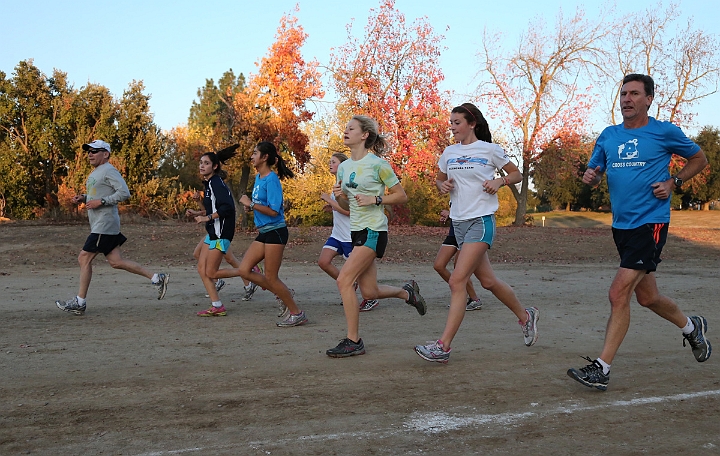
(174,46)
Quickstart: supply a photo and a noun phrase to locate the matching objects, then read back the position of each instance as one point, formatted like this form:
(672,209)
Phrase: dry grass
(678,219)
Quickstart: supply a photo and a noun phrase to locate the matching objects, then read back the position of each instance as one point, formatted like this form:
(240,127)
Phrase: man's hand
(592,176)
(93,204)
(663,190)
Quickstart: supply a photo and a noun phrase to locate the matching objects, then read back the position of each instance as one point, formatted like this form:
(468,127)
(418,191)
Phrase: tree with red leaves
(392,75)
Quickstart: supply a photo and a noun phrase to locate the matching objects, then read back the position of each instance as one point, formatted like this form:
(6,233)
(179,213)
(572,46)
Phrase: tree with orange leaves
(273,106)
(267,106)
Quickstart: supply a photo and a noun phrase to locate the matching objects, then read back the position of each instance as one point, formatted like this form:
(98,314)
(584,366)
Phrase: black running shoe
(345,348)
(701,347)
(414,298)
(591,375)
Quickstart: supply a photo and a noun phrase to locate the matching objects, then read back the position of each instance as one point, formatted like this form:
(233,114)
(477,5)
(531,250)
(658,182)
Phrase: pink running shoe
(213,312)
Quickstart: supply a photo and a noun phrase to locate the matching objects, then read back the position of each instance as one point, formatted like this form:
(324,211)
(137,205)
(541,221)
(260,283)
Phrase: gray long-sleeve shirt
(105,182)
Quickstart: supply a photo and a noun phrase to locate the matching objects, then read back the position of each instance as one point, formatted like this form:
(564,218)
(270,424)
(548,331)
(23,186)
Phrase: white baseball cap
(96,144)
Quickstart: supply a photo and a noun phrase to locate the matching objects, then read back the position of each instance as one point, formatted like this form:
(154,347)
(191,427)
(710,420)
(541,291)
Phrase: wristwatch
(378,200)
(252,205)
(678,181)
(102,200)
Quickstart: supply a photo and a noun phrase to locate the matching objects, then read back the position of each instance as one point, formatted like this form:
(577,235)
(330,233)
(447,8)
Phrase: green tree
(36,138)
(136,143)
(213,112)
(43,123)
(708,188)
(93,115)
(558,170)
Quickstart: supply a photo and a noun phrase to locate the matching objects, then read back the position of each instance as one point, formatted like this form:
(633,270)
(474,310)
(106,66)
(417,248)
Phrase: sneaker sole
(369,308)
(703,330)
(248,297)
(74,312)
(432,360)
(346,355)
(420,305)
(536,318)
(164,287)
(299,323)
(575,375)
(219,314)
(470,309)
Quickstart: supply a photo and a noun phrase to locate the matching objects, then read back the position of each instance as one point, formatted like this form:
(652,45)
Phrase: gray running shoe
(414,298)
(71,305)
(529,329)
(346,348)
(591,375)
(162,284)
(433,351)
(473,304)
(249,291)
(293,320)
(368,304)
(282,308)
(701,347)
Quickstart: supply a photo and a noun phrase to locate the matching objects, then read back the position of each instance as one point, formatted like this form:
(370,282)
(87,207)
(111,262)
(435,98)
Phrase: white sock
(155,278)
(217,304)
(689,327)
(81,301)
(605,366)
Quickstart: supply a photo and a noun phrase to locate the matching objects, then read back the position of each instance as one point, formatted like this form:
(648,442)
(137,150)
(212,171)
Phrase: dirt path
(145,377)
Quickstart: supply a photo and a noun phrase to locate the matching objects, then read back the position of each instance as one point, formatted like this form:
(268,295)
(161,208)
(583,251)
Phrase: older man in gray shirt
(105,189)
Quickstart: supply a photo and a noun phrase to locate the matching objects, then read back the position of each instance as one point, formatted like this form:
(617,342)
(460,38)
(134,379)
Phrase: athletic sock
(155,279)
(605,366)
(81,301)
(217,304)
(689,327)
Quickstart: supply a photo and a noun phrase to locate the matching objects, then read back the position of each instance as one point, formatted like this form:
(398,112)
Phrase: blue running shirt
(267,191)
(633,160)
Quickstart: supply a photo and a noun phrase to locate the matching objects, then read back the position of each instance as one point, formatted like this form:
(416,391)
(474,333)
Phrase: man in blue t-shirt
(636,155)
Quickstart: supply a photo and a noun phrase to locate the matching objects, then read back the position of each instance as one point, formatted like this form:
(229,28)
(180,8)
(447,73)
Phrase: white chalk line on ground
(434,422)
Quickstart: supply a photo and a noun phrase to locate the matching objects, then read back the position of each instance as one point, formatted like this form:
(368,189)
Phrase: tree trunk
(521,196)
(242,189)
